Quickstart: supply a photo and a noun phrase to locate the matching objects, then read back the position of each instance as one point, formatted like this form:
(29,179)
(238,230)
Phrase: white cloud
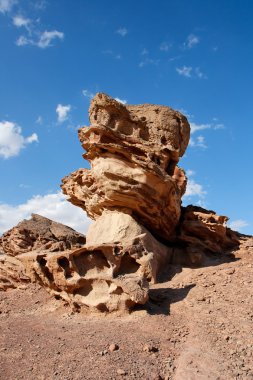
(53,206)
(188,71)
(191,41)
(46,38)
(144,51)
(185,71)
(199,142)
(12,140)
(22,41)
(6,5)
(62,112)
(20,21)
(200,74)
(238,224)
(122,32)
(164,46)
(88,94)
(194,189)
(190,173)
(44,41)
(123,101)
(148,61)
(199,127)
(112,54)
(39,120)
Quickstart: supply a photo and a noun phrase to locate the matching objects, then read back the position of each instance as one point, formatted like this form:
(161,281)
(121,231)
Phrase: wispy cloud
(194,189)
(21,21)
(47,37)
(191,41)
(200,74)
(189,72)
(11,139)
(6,5)
(144,51)
(200,127)
(123,101)
(44,41)
(164,46)
(112,54)
(238,224)
(53,206)
(88,94)
(39,120)
(62,112)
(122,32)
(198,142)
(185,71)
(149,61)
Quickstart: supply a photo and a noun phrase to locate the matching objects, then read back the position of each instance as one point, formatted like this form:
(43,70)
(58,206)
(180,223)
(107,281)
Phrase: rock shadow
(160,299)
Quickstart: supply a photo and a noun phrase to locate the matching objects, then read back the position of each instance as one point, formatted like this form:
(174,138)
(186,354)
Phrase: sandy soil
(197,325)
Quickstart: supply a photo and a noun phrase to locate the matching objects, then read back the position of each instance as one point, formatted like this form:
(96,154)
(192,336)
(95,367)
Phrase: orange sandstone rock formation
(133,151)
(133,193)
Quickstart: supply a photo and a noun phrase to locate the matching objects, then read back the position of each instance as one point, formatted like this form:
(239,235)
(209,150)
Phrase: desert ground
(197,325)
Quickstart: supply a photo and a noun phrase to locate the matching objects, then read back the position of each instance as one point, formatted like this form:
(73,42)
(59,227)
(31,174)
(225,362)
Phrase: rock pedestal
(133,192)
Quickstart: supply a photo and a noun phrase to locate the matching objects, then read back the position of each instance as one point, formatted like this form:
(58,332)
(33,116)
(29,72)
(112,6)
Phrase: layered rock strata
(133,152)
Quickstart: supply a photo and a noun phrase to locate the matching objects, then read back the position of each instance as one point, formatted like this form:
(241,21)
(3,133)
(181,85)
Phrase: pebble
(113,347)
(149,348)
(121,372)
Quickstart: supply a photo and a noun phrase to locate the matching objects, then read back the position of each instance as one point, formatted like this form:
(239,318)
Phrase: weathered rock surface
(201,232)
(110,273)
(39,233)
(12,273)
(133,151)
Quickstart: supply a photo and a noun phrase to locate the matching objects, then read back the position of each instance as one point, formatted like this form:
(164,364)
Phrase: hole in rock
(156,159)
(103,308)
(163,140)
(125,128)
(91,262)
(85,289)
(144,134)
(127,265)
(171,167)
(43,262)
(64,263)
(116,250)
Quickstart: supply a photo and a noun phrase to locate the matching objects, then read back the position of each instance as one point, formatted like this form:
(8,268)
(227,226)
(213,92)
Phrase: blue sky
(195,56)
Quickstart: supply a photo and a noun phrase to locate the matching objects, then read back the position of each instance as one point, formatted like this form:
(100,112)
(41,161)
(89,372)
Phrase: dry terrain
(197,325)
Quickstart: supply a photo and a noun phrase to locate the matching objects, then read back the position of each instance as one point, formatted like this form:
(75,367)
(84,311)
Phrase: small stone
(149,348)
(121,372)
(113,347)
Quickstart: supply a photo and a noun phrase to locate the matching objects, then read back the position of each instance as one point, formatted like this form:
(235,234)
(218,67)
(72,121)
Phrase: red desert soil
(197,326)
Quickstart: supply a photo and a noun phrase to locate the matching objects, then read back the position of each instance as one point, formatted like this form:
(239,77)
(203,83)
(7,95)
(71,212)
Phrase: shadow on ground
(161,298)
